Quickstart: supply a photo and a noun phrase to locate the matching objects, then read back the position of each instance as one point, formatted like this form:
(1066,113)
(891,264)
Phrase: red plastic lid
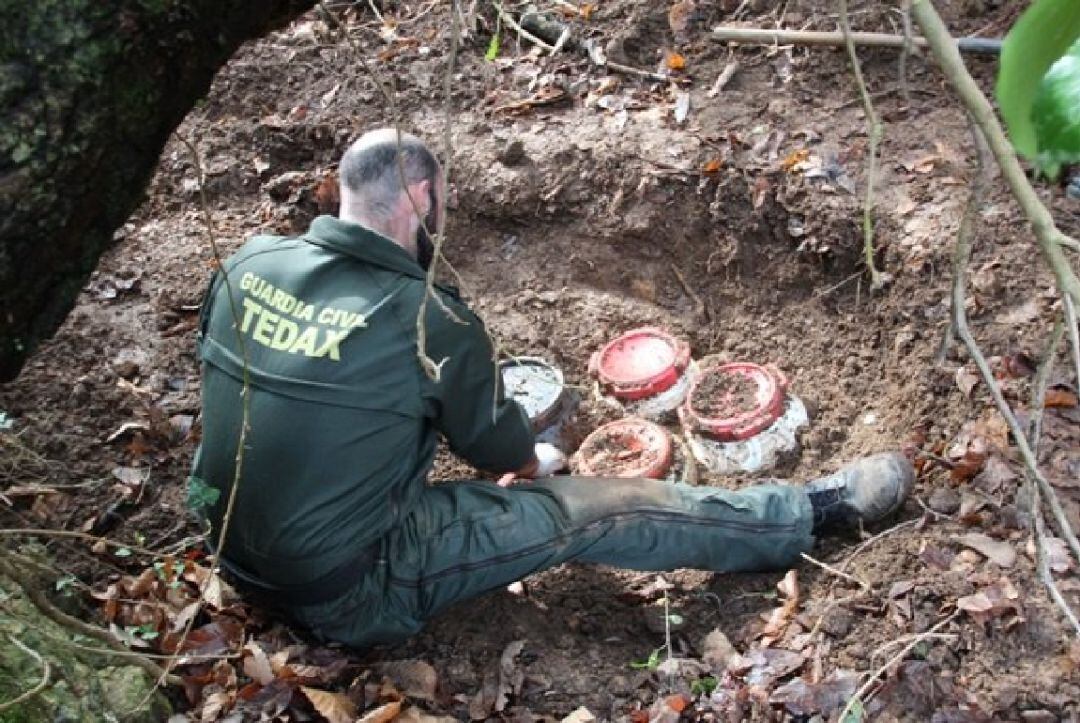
(732,402)
(640,363)
(629,447)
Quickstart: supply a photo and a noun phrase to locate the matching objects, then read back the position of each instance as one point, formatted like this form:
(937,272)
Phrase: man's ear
(421,195)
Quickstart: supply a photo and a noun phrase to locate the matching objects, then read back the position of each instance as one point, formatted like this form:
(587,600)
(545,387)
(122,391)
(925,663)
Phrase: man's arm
(469,405)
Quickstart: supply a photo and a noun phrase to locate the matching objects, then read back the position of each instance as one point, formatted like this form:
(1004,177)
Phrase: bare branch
(46,671)
(861,692)
(961,257)
(58,616)
(1049,237)
(874,130)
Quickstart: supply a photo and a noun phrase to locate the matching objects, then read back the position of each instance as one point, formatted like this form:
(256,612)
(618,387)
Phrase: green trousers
(467,538)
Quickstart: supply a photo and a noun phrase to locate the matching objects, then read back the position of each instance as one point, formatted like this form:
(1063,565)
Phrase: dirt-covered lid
(734,401)
(537,386)
(640,363)
(629,447)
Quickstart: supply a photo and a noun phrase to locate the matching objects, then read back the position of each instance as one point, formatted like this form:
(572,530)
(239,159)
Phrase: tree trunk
(89,92)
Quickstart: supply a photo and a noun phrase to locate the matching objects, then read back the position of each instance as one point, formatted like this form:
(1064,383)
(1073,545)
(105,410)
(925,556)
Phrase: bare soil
(724,395)
(617,454)
(571,223)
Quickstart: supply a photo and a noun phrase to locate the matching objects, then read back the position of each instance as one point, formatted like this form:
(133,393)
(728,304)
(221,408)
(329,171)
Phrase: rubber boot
(865,491)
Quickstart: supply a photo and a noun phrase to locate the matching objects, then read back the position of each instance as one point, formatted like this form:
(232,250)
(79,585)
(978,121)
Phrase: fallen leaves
(997,600)
(674,60)
(338,708)
(999,552)
(829,695)
(777,622)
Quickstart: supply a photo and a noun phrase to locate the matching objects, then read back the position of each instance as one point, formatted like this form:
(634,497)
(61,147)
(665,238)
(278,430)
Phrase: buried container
(630,447)
(739,417)
(646,371)
(540,390)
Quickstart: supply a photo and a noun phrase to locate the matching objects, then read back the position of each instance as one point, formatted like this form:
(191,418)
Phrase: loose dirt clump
(736,228)
(720,396)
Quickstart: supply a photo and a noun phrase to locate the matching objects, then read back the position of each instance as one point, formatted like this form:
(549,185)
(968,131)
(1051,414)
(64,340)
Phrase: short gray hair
(369,169)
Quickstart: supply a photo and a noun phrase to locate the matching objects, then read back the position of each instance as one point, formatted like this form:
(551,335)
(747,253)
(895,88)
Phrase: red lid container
(629,447)
(733,402)
(640,363)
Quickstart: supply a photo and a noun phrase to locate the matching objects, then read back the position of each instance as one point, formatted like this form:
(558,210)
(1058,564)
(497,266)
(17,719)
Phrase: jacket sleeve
(469,405)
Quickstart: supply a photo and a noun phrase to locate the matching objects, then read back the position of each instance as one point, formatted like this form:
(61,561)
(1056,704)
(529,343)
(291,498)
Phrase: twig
(861,692)
(1049,237)
(762,36)
(1045,231)
(905,52)
(1074,335)
(46,670)
(1038,397)
(505,17)
(724,78)
(702,310)
(245,419)
(629,70)
(885,533)
(906,638)
(834,287)
(874,129)
(33,531)
(1041,382)
(839,573)
(432,369)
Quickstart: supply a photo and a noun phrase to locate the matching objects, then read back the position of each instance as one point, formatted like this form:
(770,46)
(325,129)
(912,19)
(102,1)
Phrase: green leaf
(855,714)
(675,619)
(704,686)
(65,582)
(493,48)
(1056,114)
(1041,36)
(201,495)
(651,664)
(122,552)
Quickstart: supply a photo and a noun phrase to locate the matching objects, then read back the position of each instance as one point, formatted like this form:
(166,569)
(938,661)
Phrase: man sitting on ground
(334,522)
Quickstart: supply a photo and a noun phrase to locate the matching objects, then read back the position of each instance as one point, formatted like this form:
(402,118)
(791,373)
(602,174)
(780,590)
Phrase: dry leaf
(383,714)
(674,60)
(338,708)
(997,551)
(712,166)
(794,158)
(580,715)
(415,678)
(682,106)
(993,601)
(779,619)
(1059,398)
(412,714)
(968,466)
(257,665)
(761,191)
(966,380)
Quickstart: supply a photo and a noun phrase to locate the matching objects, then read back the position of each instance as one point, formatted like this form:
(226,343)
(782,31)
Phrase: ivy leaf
(1056,114)
(1042,35)
(493,48)
(201,495)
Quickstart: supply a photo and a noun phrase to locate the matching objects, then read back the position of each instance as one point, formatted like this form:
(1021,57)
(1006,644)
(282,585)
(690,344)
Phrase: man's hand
(548,460)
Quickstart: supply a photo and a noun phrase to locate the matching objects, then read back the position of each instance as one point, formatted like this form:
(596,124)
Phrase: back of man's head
(371,176)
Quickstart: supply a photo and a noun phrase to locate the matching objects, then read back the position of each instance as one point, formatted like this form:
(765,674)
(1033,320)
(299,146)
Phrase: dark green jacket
(343,420)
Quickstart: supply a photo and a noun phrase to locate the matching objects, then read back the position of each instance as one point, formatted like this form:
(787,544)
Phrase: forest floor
(602,204)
